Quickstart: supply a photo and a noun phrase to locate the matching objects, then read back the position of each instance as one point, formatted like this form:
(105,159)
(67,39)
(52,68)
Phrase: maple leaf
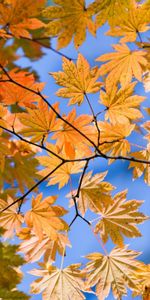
(3,113)
(10,219)
(68,20)
(135,19)
(4,152)
(108,10)
(119,218)
(143,287)
(13,94)
(62,174)
(72,140)
(59,283)
(45,218)
(34,249)
(123,65)
(20,165)
(18,16)
(77,80)
(146,126)
(94,192)
(140,168)
(112,271)
(39,121)
(112,138)
(4,34)
(121,105)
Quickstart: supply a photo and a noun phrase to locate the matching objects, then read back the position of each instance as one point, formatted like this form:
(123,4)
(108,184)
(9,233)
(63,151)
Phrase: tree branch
(33,187)
(99,152)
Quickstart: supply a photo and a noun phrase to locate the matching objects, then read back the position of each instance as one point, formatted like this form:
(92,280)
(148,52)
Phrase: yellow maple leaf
(121,105)
(68,20)
(134,20)
(39,122)
(108,10)
(112,271)
(10,219)
(18,16)
(77,80)
(112,138)
(122,65)
(94,192)
(140,168)
(143,288)
(120,218)
(62,174)
(34,249)
(45,218)
(57,283)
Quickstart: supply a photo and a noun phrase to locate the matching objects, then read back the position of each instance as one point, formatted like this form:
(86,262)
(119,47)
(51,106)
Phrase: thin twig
(94,119)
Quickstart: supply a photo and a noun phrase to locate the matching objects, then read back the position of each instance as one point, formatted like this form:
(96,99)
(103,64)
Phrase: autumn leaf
(59,283)
(146,126)
(112,138)
(69,20)
(14,94)
(112,271)
(39,122)
(62,174)
(45,218)
(34,249)
(4,152)
(135,19)
(72,141)
(119,218)
(122,65)
(18,16)
(94,192)
(140,168)
(121,105)
(10,219)
(77,80)
(108,10)
(20,165)
(143,287)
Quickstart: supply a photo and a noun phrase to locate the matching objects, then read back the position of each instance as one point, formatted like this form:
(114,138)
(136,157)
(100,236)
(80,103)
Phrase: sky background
(82,239)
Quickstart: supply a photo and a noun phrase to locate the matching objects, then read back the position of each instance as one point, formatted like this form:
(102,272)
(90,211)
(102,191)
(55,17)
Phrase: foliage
(41,143)
(10,273)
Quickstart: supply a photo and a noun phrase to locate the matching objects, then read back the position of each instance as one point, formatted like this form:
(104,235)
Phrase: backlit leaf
(77,80)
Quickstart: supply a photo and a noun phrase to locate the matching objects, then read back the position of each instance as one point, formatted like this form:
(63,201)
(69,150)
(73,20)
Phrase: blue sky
(83,241)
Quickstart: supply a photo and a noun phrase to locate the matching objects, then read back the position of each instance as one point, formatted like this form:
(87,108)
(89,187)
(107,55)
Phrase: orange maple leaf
(45,218)
(121,105)
(18,16)
(72,140)
(39,121)
(10,219)
(62,174)
(11,93)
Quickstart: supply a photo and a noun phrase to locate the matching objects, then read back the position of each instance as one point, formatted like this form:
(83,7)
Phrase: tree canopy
(40,142)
